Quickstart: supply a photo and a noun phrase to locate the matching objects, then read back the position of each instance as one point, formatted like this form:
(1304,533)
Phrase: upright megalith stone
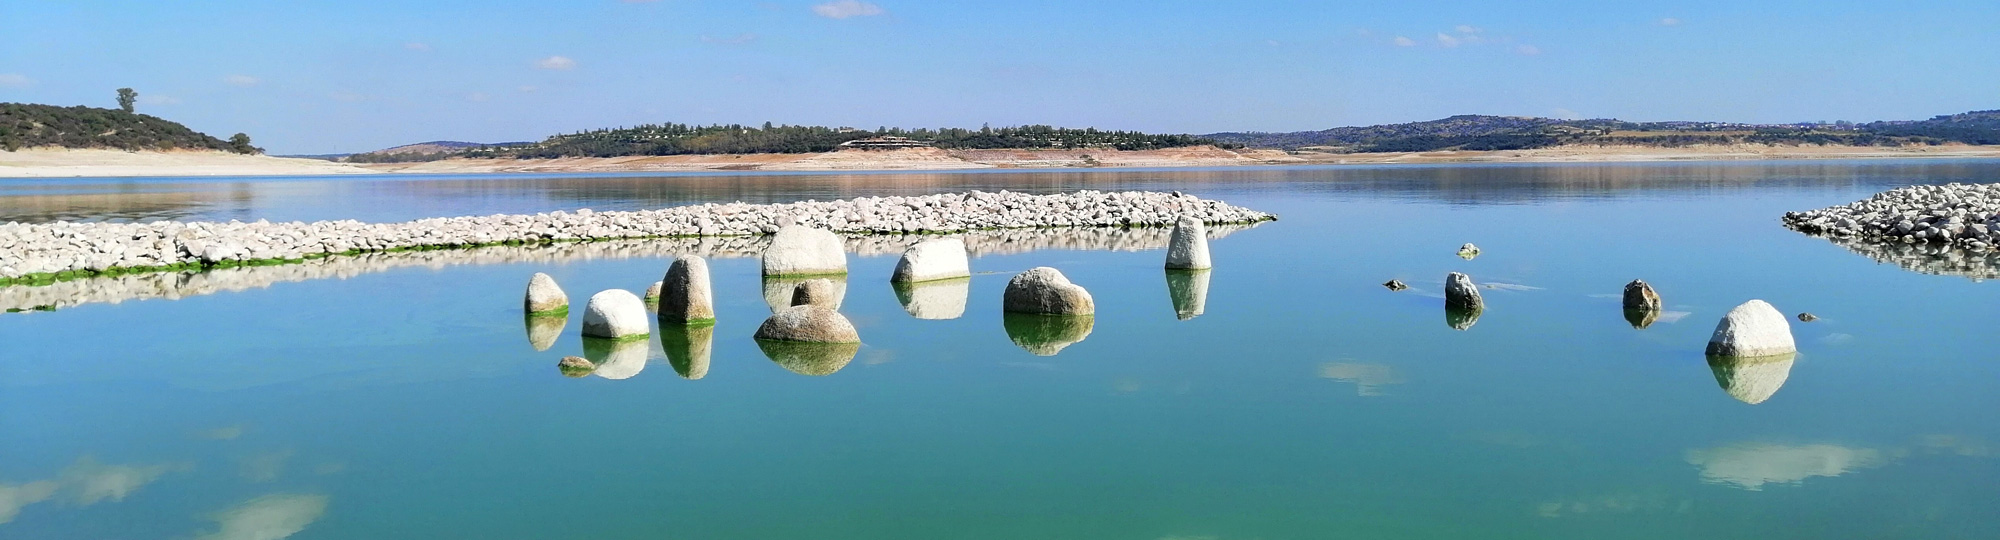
(816,292)
(932,260)
(804,251)
(615,314)
(1752,329)
(1461,293)
(808,324)
(684,293)
(545,298)
(1639,295)
(1188,247)
(1044,290)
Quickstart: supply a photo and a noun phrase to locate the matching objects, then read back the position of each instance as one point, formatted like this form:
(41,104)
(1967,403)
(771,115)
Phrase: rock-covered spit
(1961,215)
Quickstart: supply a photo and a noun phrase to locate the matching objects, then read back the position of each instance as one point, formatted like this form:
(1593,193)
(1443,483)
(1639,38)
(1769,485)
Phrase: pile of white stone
(1960,215)
(51,248)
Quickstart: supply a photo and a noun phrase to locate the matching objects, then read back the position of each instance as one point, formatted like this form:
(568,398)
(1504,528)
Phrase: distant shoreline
(56,163)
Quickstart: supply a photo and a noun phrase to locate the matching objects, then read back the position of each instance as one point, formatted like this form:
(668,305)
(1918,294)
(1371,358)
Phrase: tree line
(680,139)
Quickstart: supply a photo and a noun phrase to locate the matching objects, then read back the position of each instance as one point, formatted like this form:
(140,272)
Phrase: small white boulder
(804,251)
(932,260)
(544,296)
(1752,329)
(1188,247)
(1045,290)
(615,314)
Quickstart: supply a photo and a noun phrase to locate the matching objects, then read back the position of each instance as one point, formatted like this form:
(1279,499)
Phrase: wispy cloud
(417,46)
(13,497)
(739,39)
(241,80)
(1405,42)
(1467,29)
(1670,21)
(555,62)
(15,80)
(1529,50)
(847,8)
(270,517)
(1447,40)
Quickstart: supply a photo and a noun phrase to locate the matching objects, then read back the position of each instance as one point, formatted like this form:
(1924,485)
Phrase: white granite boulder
(804,251)
(809,324)
(1188,247)
(1460,293)
(1044,290)
(545,297)
(684,296)
(652,295)
(615,314)
(1468,251)
(932,260)
(1752,329)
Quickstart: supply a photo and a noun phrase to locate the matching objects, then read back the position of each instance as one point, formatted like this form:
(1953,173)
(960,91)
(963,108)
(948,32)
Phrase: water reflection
(1641,318)
(1461,318)
(1752,465)
(687,348)
(1927,258)
(84,483)
(1752,379)
(270,517)
(543,331)
(816,359)
(1046,335)
(1189,291)
(616,359)
(778,291)
(934,300)
(1368,379)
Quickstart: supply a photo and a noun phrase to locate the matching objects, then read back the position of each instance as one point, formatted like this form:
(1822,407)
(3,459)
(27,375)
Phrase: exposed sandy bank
(42,162)
(1608,154)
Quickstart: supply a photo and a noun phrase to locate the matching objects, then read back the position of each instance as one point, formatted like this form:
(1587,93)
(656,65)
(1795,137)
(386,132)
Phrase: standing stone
(1460,293)
(684,294)
(1188,249)
(808,323)
(932,260)
(1640,296)
(1045,291)
(1752,329)
(615,314)
(545,297)
(803,251)
(816,292)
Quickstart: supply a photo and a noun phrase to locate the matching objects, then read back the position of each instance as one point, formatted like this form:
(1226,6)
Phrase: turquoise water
(1305,401)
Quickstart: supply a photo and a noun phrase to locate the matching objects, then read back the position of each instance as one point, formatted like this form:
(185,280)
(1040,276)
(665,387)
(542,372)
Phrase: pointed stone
(1639,295)
(1460,293)
(1045,290)
(615,314)
(1188,247)
(932,260)
(804,251)
(684,296)
(545,297)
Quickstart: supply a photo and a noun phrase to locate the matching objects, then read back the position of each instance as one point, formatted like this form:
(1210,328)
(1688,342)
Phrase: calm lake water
(1304,401)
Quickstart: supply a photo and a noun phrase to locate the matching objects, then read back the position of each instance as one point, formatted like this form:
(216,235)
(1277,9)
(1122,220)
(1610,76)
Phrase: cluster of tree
(26,125)
(679,139)
(1475,132)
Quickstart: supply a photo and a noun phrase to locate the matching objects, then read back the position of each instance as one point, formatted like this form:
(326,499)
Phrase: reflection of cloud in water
(15,496)
(1751,465)
(89,482)
(1499,286)
(1368,379)
(270,517)
(1836,338)
(1672,316)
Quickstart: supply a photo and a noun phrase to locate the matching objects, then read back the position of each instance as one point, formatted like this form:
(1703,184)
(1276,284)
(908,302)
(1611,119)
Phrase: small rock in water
(653,292)
(1468,251)
(808,323)
(575,366)
(1752,329)
(1808,317)
(1460,293)
(615,314)
(1046,291)
(545,297)
(1639,295)
(1395,285)
(1188,248)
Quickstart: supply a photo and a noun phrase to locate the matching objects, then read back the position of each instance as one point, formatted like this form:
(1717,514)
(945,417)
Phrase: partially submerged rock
(1395,285)
(1188,289)
(575,366)
(934,300)
(1640,295)
(685,297)
(1468,251)
(688,349)
(616,359)
(543,331)
(808,323)
(615,314)
(1751,379)
(817,292)
(798,250)
(1460,293)
(1046,335)
(1044,290)
(778,292)
(933,260)
(652,295)
(1807,317)
(545,298)
(814,359)
(1752,329)
(1188,249)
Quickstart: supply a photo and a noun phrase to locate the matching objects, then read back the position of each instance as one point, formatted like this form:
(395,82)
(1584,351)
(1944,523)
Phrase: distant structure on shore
(887,142)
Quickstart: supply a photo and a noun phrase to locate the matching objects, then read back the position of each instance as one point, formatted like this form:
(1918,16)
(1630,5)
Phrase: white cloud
(1750,466)
(241,80)
(1670,21)
(1529,50)
(1405,42)
(417,46)
(15,80)
(157,99)
(842,9)
(1467,29)
(1447,40)
(555,62)
(270,517)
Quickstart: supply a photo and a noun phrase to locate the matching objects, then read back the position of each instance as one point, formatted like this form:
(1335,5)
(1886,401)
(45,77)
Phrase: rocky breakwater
(1962,215)
(41,253)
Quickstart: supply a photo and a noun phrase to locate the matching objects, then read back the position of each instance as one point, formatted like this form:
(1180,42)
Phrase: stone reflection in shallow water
(688,348)
(1927,258)
(1189,291)
(270,517)
(1461,318)
(1046,335)
(778,291)
(934,300)
(1642,318)
(616,359)
(814,359)
(1752,465)
(1752,379)
(543,331)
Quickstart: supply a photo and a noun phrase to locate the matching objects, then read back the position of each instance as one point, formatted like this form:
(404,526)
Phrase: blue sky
(310,77)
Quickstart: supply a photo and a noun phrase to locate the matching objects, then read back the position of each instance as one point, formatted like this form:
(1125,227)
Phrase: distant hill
(24,125)
(423,151)
(680,139)
(1476,132)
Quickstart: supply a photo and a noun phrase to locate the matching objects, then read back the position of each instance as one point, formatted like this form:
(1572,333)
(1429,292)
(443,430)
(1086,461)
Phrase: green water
(1303,401)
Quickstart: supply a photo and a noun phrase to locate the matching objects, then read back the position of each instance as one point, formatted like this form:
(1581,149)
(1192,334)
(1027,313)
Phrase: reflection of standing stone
(1640,295)
(615,314)
(685,296)
(1188,249)
(545,297)
(1460,293)
(1641,318)
(1751,380)
(687,349)
(1752,329)
(543,331)
(778,292)
(1046,335)
(803,251)
(817,292)
(1461,318)
(815,359)
(1189,291)
(808,323)
(932,260)
(934,300)
(1044,290)
(616,359)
